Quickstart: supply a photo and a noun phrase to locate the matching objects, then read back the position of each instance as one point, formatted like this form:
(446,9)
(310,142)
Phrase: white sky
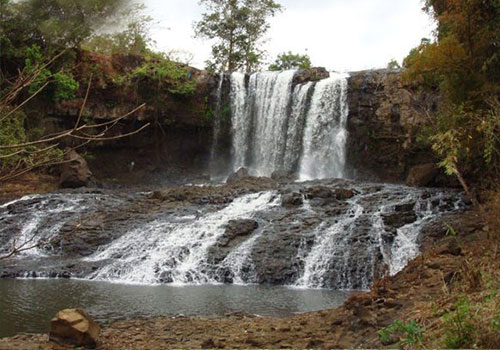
(343,35)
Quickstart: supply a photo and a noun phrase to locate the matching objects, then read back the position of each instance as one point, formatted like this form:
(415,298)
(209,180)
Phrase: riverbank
(454,269)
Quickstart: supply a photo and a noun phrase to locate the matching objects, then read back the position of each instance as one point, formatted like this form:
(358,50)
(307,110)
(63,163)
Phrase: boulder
(290,200)
(240,174)
(311,74)
(237,228)
(422,175)
(325,192)
(74,327)
(75,171)
(283,175)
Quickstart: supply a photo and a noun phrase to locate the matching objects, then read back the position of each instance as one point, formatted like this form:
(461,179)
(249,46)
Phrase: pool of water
(27,306)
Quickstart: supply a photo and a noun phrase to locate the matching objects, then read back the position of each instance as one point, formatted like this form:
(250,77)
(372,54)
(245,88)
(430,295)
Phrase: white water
(326,134)
(278,126)
(240,121)
(330,252)
(334,260)
(45,218)
(176,251)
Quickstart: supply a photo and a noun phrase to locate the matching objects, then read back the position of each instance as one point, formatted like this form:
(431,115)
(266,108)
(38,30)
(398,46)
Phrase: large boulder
(290,200)
(422,175)
(238,175)
(74,327)
(283,176)
(325,192)
(237,228)
(311,74)
(75,171)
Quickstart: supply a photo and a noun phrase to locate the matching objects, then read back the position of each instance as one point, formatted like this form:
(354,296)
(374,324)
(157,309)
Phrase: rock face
(74,327)
(237,228)
(384,118)
(240,174)
(75,172)
(311,74)
(422,175)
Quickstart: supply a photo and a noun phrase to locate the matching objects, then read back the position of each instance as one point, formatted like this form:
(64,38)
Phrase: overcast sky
(343,35)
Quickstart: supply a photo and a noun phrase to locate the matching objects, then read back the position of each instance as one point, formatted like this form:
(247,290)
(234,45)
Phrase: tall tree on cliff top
(238,28)
(464,64)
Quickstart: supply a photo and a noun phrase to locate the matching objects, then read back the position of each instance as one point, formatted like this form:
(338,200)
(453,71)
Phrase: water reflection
(28,305)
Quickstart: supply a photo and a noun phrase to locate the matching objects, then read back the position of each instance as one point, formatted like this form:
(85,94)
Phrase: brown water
(26,306)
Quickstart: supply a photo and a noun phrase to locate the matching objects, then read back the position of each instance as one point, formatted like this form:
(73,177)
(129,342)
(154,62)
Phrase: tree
(463,64)
(238,28)
(288,60)
(52,24)
(393,65)
(133,39)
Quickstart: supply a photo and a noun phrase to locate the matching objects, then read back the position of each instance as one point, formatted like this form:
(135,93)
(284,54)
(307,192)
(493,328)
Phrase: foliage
(238,28)
(51,24)
(288,60)
(12,132)
(410,334)
(171,76)
(393,65)
(464,64)
(459,330)
(134,39)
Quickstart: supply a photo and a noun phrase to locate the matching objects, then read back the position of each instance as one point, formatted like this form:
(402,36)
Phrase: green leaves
(238,28)
(410,334)
(288,60)
(171,76)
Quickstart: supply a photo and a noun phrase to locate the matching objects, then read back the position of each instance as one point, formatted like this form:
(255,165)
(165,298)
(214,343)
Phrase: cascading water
(325,134)
(279,126)
(175,250)
(325,242)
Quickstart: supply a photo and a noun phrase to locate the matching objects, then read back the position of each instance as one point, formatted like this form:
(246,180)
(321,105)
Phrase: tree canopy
(238,28)
(51,24)
(289,60)
(463,63)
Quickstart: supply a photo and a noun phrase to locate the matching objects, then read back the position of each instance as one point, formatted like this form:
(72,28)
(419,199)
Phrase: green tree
(134,39)
(393,64)
(288,60)
(238,28)
(463,64)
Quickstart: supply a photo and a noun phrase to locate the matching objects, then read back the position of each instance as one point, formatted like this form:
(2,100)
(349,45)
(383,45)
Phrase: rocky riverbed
(407,295)
(325,233)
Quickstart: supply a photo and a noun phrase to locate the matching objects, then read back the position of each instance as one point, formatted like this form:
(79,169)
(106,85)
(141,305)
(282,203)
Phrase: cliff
(385,116)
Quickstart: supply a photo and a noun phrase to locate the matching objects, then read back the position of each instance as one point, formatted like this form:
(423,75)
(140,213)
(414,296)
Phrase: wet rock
(290,200)
(397,220)
(311,74)
(240,174)
(75,172)
(325,192)
(237,228)
(283,176)
(74,327)
(422,175)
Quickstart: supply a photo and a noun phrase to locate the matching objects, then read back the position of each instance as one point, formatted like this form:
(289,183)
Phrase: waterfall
(277,125)
(217,117)
(325,135)
(240,123)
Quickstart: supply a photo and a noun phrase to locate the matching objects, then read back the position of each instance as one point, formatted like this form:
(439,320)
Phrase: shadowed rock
(74,327)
